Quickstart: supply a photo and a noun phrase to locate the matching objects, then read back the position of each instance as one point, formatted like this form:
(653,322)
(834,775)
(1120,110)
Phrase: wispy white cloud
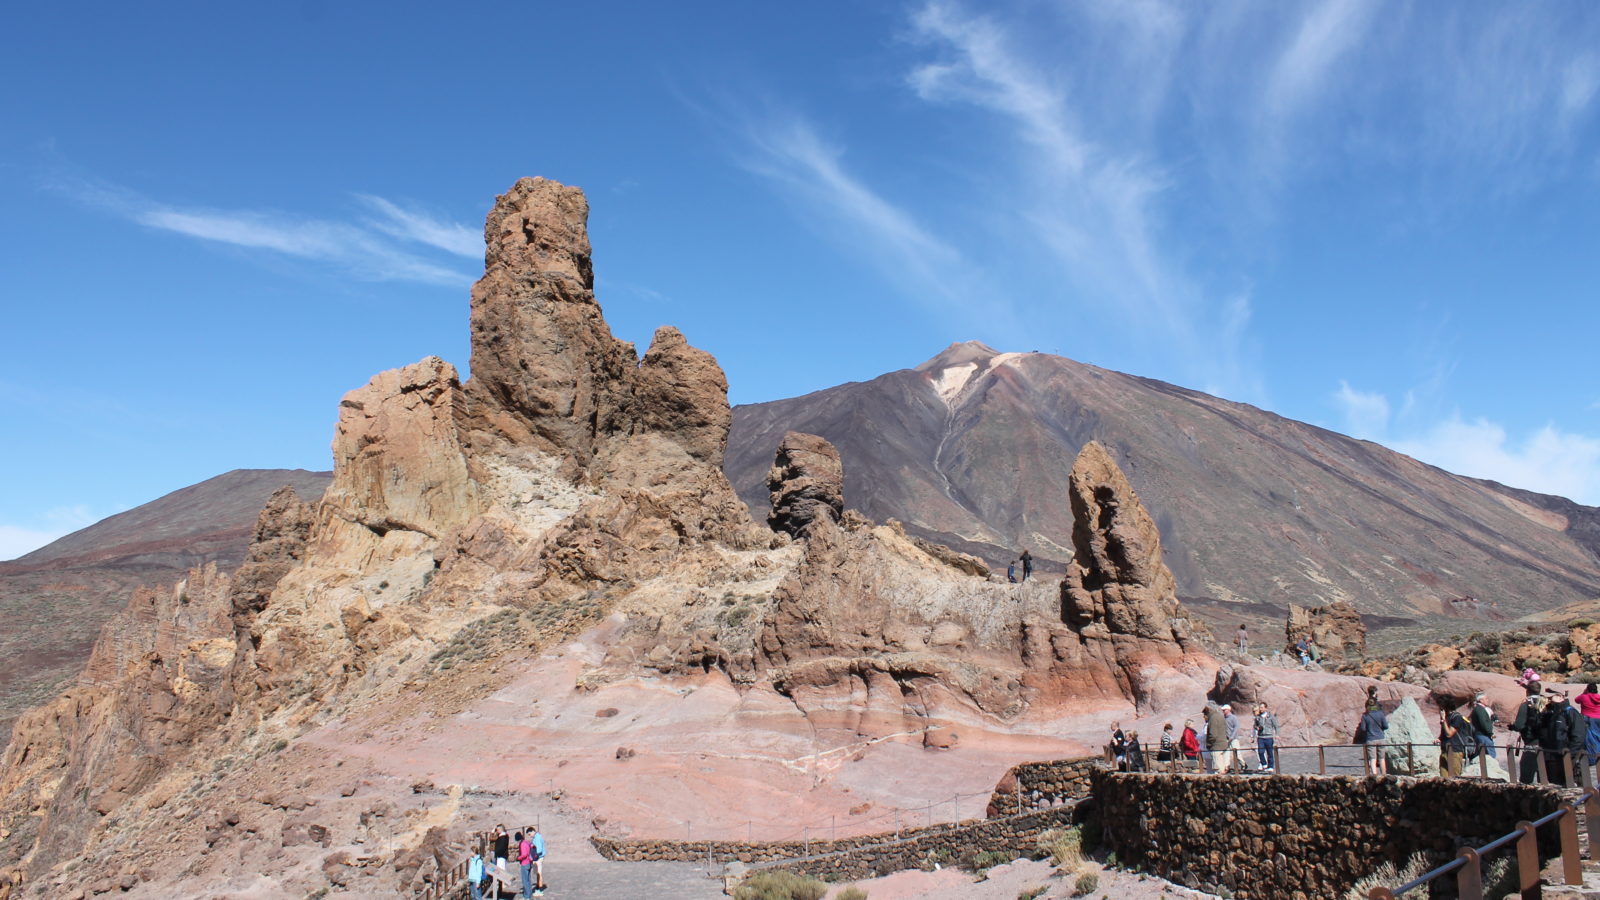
(366,251)
(784,147)
(414,225)
(1548,460)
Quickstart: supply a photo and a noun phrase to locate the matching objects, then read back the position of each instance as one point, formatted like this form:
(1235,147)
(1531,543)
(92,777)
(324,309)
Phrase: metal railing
(1564,767)
(1468,864)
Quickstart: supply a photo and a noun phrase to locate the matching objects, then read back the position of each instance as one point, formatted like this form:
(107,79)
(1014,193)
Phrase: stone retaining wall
(955,845)
(647,850)
(1300,837)
(1031,787)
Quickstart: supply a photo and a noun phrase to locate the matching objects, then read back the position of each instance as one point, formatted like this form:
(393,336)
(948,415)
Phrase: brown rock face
(1336,629)
(806,483)
(1117,580)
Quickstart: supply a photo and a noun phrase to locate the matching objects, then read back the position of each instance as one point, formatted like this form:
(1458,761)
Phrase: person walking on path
(1027,565)
(1483,724)
(1266,738)
(1370,731)
(1242,638)
(538,863)
(475,874)
(525,863)
(1589,705)
(1216,737)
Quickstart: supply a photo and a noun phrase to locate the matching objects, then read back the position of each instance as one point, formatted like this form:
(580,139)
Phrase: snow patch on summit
(949,382)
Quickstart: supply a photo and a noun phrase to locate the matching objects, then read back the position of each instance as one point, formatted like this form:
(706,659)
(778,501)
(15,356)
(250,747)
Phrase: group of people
(1026,562)
(530,857)
(1551,721)
(1217,743)
(1304,648)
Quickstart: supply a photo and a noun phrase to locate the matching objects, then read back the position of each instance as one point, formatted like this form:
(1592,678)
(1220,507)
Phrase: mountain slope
(55,599)
(973,447)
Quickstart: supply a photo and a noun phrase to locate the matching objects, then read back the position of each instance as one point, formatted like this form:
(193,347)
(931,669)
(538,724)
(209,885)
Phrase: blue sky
(215,219)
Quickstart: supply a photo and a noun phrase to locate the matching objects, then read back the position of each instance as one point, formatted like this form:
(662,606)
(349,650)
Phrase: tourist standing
(1454,735)
(1231,723)
(1027,565)
(1242,638)
(1589,705)
(1011,572)
(1169,748)
(1136,761)
(1371,731)
(1266,738)
(1189,742)
(1119,747)
(502,847)
(1483,724)
(475,874)
(538,863)
(1556,726)
(1528,725)
(525,862)
(1216,737)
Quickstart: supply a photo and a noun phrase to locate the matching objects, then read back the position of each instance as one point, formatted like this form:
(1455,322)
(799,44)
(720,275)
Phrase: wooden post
(1566,767)
(1469,878)
(1483,764)
(1591,813)
(1322,760)
(1411,759)
(1528,861)
(1366,759)
(1514,764)
(1571,862)
(1539,772)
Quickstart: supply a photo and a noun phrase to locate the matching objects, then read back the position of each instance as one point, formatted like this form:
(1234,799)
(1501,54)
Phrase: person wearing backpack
(1527,726)
(1483,724)
(538,863)
(1454,736)
(1555,732)
(476,874)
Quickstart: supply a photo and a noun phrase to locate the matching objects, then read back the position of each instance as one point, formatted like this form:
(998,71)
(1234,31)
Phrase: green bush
(988,859)
(1033,893)
(1087,883)
(1580,623)
(780,886)
(851,893)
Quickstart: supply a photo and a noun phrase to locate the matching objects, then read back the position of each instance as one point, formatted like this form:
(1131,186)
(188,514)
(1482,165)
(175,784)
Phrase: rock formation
(806,483)
(1336,629)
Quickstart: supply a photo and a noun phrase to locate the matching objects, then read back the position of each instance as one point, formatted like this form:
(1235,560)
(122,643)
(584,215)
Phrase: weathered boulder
(1336,629)
(1411,743)
(806,483)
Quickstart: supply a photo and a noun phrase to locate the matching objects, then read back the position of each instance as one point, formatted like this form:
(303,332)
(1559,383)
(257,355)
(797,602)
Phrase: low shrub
(780,886)
(851,893)
(1033,893)
(1086,884)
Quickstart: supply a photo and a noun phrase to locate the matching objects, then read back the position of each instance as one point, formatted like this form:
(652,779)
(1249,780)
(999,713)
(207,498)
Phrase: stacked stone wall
(1298,837)
(1032,787)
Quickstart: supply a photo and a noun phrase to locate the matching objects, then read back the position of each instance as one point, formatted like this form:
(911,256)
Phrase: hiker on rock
(1011,572)
(1482,724)
(1216,737)
(1266,739)
(1027,565)
(1242,638)
(1303,648)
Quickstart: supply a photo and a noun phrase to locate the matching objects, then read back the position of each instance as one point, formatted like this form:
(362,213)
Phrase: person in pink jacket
(525,860)
(1589,704)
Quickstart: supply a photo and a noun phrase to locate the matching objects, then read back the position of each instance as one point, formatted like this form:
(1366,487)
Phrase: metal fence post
(1528,861)
(1469,878)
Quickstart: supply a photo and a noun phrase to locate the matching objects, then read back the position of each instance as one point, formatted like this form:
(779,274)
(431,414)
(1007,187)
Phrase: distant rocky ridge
(56,599)
(971,449)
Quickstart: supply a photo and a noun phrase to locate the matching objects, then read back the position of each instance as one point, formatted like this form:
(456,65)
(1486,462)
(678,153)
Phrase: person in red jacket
(1189,743)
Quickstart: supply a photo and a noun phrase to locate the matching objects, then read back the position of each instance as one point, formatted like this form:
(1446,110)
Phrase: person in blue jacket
(475,874)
